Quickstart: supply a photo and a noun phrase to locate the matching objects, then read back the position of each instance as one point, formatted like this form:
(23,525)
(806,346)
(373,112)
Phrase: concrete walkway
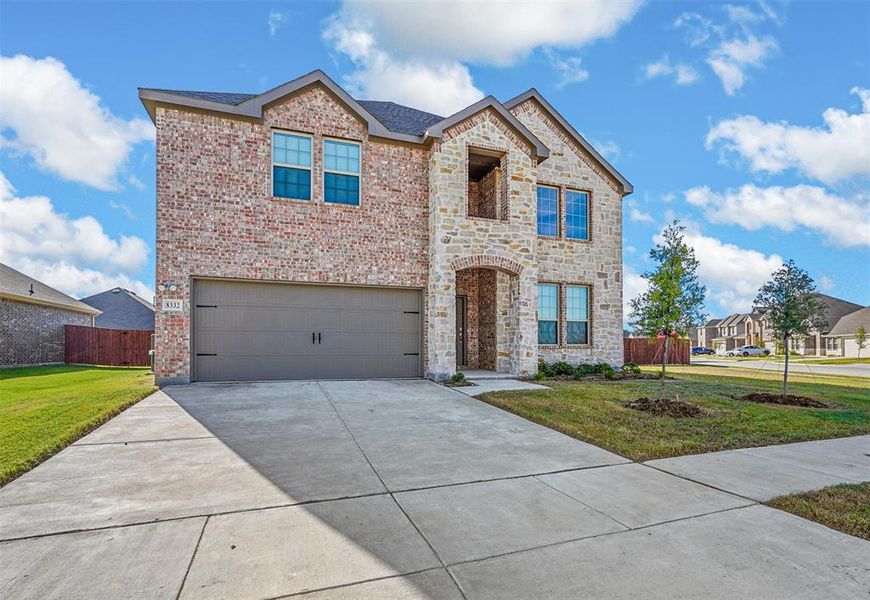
(394,489)
(853,370)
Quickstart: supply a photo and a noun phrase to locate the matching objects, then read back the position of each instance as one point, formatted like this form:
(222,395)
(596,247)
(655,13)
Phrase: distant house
(32,316)
(122,309)
(835,309)
(705,333)
(840,340)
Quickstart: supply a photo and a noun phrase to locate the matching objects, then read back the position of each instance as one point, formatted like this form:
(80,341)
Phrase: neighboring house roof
(712,323)
(384,119)
(835,309)
(15,285)
(122,309)
(850,323)
(399,118)
(732,319)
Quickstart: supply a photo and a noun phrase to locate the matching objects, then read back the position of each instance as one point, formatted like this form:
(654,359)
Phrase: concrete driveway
(387,489)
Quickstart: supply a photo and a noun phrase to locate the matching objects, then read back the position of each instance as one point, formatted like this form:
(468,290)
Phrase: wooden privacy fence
(98,346)
(649,352)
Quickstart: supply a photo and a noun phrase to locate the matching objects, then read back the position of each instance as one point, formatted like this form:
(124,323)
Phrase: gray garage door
(257,331)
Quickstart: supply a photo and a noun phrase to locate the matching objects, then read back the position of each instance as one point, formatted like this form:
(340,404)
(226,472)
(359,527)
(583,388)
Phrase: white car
(748,351)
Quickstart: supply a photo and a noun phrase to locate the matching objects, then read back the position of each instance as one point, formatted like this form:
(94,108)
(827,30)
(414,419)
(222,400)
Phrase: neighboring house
(841,339)
(302,233)
(32,316)
(730,333)
(834,310)
(121,309)
(705,333)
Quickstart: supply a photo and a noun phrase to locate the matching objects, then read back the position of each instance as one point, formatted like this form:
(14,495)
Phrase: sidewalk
(770,471)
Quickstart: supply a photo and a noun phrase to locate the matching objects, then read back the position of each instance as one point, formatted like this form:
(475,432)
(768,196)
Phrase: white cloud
(633,285)
(276,20)
(839,150)
(732,58)
(844,223)
(62,125)
(568,69)
(682,74)
(54,248)
(639,216)
(485,31)
(439,87)
(732,274)
(415,52)
(826,284)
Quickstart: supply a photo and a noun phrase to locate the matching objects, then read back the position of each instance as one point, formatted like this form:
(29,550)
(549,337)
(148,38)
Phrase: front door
(461,318)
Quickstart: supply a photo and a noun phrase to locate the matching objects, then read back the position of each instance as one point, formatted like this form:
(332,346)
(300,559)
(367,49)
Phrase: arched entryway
(486,290)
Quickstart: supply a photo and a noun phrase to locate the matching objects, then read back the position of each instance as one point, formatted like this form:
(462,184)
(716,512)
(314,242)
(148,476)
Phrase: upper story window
(341,169)
(577,314)
(576,215)
(548,211)
(291,165)
(548,313)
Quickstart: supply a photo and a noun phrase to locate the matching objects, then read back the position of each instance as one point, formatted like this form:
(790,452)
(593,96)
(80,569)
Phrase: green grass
(44,409)
(844,507)
(837,361)
(593,411)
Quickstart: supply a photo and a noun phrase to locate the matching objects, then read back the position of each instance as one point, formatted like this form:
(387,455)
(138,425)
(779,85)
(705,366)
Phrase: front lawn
(44,409)
(593,411)
(844,507)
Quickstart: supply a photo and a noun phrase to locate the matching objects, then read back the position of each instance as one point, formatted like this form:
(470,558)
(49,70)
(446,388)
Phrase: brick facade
(32,334)
(216,218)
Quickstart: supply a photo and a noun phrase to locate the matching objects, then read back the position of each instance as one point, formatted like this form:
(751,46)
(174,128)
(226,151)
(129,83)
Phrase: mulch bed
(458,384)
(666,407)
(788,399)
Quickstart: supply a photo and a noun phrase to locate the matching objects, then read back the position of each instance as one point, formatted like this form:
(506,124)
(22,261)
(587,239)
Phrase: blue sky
(750,122)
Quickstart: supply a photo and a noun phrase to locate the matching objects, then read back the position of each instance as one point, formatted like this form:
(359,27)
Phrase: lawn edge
(87,428)
(779,503)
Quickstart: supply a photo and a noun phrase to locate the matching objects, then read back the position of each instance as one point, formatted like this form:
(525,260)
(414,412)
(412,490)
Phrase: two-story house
(302,233)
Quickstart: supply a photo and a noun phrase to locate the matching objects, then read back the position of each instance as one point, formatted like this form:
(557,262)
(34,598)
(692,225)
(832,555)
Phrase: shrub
(546,369)
(562,368)
(631,368)
(608,371)
(457,377)
(583,370)
(539,376)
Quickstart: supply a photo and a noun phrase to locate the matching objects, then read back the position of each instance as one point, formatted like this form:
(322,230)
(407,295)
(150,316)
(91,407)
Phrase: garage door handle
(312,337)
(318,338)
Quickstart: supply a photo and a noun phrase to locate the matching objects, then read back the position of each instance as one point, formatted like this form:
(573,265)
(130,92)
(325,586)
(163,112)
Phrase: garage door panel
(259,331)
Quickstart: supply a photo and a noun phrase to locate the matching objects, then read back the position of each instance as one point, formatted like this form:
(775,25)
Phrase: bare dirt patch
(788,399)
(666,407)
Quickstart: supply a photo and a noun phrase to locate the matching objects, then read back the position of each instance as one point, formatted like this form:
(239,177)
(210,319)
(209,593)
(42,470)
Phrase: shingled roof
(122,309)
(16,286)
(399,118)
(384,119)
(850,323)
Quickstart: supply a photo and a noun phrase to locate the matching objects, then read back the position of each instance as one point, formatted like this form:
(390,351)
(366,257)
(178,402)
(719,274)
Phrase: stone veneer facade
(216,218)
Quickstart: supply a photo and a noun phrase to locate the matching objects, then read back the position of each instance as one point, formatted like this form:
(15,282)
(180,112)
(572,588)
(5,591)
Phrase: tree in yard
(791,306)
(674,299)
(861,339)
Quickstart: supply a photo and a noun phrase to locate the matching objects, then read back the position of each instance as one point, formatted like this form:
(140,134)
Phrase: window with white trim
(576,215)
(548,313)
(577,314)
(341,169)
(291,166)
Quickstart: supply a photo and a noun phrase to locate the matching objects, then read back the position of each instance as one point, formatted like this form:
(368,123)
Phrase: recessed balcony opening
(486,193)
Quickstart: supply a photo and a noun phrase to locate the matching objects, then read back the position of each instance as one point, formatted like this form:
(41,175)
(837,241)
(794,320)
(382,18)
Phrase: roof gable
(533,94)
(122,309)
(15,285)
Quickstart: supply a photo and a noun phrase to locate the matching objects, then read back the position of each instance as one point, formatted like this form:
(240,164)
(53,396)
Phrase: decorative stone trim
(484,260)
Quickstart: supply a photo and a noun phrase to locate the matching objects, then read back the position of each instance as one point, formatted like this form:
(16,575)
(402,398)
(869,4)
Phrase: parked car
(748,351)
(701,350)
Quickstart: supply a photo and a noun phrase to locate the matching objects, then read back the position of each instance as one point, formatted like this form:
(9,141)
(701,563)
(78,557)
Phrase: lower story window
(577,314)
(548,313)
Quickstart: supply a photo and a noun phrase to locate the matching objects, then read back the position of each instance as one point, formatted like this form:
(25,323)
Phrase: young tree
(674,299)
(791,306)
(861,339)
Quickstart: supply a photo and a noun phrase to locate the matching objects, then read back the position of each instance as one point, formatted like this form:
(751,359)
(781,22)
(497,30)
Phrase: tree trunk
(785,371)
(664,366)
